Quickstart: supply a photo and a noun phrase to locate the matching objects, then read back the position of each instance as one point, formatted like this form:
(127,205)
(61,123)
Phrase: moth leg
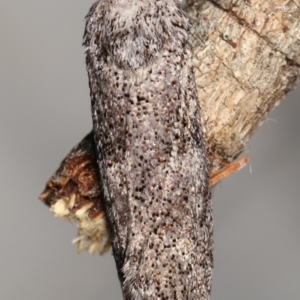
(229,170)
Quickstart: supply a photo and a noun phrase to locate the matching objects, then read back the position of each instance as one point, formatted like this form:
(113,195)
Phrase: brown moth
(152,173)
(152,160)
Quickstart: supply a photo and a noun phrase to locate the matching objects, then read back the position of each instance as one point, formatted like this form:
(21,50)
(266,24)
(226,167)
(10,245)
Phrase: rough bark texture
(247,57)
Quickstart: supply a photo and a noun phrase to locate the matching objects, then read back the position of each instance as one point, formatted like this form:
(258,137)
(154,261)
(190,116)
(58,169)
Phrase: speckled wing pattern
(152,159)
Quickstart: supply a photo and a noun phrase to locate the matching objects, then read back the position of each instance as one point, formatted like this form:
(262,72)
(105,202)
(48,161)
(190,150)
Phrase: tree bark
(247,58)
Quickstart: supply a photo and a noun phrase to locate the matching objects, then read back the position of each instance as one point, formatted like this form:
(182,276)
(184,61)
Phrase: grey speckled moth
(151,154)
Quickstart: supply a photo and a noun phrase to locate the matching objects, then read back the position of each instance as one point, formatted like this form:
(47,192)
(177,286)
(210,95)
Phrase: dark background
(45,110)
